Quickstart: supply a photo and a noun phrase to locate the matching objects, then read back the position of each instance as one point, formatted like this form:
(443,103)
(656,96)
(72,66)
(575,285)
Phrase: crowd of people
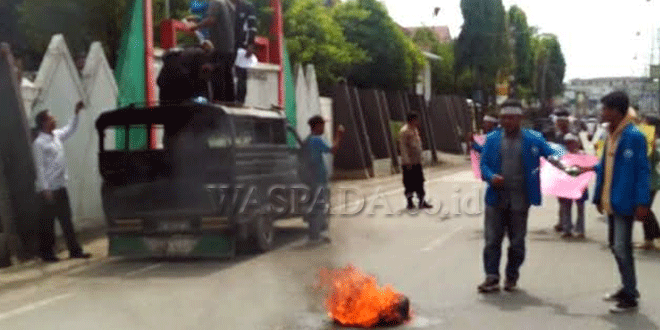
(626,182)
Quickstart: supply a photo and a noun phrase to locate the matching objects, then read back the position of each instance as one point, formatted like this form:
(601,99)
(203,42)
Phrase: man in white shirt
(51,180)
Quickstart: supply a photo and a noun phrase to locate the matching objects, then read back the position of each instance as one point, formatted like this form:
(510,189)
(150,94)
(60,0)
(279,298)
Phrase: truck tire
(263,233)
(5,254)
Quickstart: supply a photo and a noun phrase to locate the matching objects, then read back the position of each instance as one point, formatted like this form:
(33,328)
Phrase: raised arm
(210,19)
(67,131)
(339,136)
(251,26)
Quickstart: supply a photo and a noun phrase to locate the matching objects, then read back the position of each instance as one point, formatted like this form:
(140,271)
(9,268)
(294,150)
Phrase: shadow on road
(630,321)
(137,268)
(520,299)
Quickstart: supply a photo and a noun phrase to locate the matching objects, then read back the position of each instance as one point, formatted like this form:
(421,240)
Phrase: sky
(599,38)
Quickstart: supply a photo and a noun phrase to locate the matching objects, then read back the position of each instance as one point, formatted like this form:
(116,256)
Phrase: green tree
(483,44)
(394,60)
(523,51)
(550,67)
(84,21)
(443,77)
(313,36)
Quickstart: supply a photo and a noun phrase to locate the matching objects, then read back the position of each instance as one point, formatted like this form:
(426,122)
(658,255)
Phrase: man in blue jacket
(510,164)
(622,192)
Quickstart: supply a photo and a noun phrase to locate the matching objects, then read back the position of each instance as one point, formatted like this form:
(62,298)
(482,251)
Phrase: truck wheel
(263,233)
(5,255)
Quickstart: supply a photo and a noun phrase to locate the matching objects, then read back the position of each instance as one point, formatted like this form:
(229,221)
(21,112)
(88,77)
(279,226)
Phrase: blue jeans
(317,214)
(498,222)
(620,235)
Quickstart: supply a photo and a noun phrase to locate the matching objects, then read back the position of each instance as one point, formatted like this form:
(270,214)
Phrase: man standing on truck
(246,31)
(221,22)
(51,172)
(317,177)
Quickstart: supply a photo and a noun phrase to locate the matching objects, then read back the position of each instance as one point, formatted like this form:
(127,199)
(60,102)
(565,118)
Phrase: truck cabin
(162,159)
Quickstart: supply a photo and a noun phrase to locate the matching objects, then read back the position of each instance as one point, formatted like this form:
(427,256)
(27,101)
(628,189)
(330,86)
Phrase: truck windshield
(196,134)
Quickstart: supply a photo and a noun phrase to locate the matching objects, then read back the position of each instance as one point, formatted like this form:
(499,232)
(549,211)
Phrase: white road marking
(34,306)
(441,239)
(143,270)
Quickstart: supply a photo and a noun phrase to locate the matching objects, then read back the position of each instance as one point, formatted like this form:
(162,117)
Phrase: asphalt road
(435,259)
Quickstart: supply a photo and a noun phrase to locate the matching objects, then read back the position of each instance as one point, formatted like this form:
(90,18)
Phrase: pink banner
(475,157)
(555,182)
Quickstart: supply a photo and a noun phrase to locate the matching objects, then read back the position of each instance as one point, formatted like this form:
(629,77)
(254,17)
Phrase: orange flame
(354,299)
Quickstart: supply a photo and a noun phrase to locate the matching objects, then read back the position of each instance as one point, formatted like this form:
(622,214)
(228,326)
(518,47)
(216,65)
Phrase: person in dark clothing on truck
(186,75)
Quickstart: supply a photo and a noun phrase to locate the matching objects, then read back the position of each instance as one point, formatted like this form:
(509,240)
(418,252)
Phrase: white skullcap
(509,110)
(490,119)
(571,137)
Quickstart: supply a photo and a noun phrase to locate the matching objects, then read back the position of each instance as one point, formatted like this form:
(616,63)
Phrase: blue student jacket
(632,174)
(533,146)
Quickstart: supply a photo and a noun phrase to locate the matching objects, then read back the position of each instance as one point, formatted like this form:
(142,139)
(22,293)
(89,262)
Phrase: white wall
(303,112)
(101,89)
(262,86)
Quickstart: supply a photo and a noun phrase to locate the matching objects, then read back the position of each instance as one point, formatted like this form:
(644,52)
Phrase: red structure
(150,80)
(277,46)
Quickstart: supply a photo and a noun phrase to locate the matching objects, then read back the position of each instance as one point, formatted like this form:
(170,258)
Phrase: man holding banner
(622,192)
(510,164)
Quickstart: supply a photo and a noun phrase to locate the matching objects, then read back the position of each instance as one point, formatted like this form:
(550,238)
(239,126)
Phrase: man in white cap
(510,164)
(562,127)
(490,123)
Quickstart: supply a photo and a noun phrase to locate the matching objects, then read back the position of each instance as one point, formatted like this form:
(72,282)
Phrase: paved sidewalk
(35,269)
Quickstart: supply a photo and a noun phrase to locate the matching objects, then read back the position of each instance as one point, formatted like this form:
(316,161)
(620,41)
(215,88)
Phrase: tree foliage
(483,44)
(550,66)
(394,60)
(523,51)
(84,21)
(313,36)
(443,77)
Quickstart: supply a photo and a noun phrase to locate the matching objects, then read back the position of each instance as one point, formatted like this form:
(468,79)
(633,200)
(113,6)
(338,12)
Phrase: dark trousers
(223,77)
(241,88)
(651,228)
(500,222)
(60,209)
(413,181)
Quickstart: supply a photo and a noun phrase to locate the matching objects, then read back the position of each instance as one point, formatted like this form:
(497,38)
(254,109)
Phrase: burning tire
(354,299)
